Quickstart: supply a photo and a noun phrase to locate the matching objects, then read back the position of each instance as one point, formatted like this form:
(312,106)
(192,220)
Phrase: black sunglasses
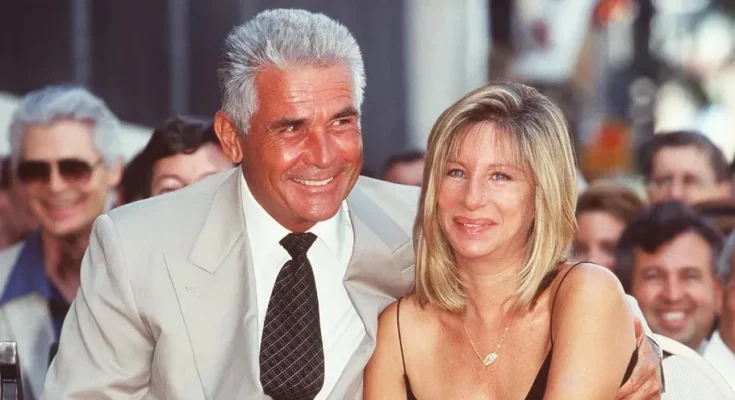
(72,170)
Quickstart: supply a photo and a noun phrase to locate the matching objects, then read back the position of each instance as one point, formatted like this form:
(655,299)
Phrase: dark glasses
(71,170)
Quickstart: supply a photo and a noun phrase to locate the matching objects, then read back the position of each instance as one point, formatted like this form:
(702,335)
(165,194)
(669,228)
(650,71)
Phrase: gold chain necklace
(490,358)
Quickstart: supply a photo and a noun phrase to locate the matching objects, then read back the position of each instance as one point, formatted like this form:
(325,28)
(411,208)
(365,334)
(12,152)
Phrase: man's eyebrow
(286,122)
(346,112)
(298,122)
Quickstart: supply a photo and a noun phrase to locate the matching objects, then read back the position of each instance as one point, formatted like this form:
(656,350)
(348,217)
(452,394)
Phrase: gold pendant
(490,359)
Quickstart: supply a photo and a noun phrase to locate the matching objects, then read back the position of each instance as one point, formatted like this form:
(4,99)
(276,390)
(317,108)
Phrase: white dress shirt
(342,328)
(721,357)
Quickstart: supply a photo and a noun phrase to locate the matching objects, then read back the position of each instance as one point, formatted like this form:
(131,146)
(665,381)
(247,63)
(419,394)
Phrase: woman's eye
(456,173)
(499,176)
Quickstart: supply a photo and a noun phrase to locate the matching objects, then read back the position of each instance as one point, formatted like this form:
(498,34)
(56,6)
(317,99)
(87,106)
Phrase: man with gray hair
(67,158)
(265,281)
(720,350)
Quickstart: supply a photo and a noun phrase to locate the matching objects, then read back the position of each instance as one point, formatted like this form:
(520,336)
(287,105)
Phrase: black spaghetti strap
(553,302)
(409,393)
(400,340)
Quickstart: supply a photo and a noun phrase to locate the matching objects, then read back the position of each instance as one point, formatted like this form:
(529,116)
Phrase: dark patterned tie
(291,352)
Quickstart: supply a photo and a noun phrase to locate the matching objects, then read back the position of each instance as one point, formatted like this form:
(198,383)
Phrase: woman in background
(603,212)
(182,151)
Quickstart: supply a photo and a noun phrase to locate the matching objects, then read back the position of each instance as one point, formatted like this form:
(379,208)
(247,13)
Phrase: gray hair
(281,38)
(55,103)
(724,261)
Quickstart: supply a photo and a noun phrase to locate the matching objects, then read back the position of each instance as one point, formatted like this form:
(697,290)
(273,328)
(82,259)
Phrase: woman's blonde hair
(540,140)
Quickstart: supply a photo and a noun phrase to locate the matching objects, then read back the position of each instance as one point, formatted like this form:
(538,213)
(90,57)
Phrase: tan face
(406,173)
(181,170)
(596,238)
(676,288)
(684,173)
(485,204)
(61,206)
(303,153)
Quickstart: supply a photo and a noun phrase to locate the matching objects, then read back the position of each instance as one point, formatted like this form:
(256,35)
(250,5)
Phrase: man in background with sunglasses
(67,158)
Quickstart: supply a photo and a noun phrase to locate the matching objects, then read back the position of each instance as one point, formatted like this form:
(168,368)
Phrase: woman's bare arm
(592,328)
(383,377)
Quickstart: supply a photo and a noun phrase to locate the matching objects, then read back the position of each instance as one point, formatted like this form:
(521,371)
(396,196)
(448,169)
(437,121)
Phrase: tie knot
(297,244)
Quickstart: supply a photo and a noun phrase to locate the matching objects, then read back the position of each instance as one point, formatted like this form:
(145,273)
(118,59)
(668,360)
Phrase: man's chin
(67,229)
(320,212)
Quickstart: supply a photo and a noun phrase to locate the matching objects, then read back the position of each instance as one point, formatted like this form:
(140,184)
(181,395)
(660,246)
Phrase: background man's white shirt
(721,357)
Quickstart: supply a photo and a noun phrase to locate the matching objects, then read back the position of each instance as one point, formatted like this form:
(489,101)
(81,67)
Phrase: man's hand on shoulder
(646,381)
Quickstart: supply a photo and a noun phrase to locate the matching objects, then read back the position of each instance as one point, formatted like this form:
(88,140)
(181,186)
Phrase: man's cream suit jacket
(167,305)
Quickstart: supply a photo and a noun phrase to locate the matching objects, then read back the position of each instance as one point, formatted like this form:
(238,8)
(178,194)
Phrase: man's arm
(638,314)
(105,349)
(646,381)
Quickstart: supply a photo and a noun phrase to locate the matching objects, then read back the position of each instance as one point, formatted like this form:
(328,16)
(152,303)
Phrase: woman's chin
(470,254)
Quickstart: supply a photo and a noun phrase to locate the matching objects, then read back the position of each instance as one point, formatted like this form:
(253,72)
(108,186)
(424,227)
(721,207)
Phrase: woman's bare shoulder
(592,333)
(587,277)
(408,308)
(587,288)
(410,315)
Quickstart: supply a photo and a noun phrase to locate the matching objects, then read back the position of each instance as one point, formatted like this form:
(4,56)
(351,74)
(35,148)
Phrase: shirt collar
(270,232)
(717,351)
(28,274)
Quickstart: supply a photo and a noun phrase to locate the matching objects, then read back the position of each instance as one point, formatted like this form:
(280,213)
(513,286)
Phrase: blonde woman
(496,311)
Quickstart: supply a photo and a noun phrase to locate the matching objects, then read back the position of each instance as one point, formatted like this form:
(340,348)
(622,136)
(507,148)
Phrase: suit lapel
(215,287)
(379,272)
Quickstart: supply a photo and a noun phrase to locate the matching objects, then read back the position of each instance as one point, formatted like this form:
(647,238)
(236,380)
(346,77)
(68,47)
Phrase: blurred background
(621,69)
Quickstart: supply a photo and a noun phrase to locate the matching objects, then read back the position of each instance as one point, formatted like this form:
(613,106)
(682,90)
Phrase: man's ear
(116,172)
(719,295)
(229,136)
(725,189)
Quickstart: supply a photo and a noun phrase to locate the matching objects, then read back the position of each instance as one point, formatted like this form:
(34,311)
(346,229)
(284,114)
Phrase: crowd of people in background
(667,245)
(672,247)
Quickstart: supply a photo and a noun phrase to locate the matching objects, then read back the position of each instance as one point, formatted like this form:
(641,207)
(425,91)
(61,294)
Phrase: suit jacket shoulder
(161,231)
(168,222)
(191,202)
(400,202)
